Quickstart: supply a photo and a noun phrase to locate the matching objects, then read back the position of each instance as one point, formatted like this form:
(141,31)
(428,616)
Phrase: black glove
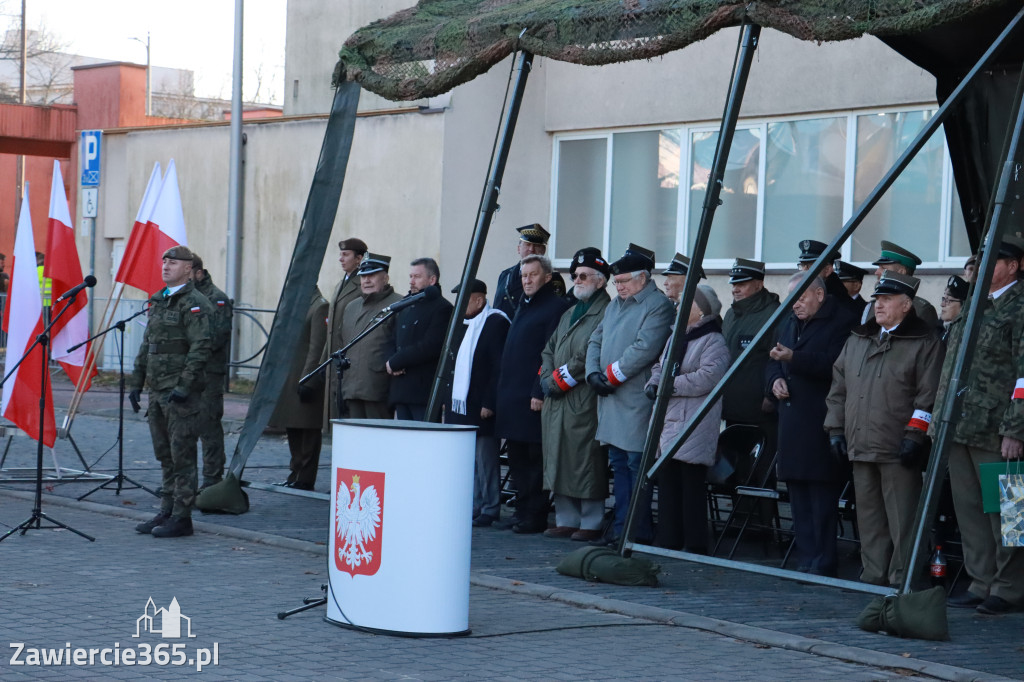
(651,392)
(599,382)
(177,397)
(837,446)
(911,453)
(306,394)
(133,398)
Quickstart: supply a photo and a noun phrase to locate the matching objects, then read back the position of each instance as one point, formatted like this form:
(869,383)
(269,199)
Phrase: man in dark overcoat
(520,397)
(419,337)
(473,395)
(533,239)
(300,409)
(852,278)
(799,375)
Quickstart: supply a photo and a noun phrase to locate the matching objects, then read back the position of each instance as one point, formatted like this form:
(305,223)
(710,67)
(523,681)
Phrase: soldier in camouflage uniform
(211,403)
(172,362)
(990,429)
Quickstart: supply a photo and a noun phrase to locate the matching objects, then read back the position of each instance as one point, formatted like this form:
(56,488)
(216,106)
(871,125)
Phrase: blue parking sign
(90,150)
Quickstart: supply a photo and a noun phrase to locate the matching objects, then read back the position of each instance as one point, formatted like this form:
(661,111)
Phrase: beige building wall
(390,197)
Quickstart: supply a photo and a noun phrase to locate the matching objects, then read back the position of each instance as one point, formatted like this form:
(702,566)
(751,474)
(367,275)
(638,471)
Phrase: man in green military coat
(172,363)
(211,403)
(575,464)
(990,429)
(350,255)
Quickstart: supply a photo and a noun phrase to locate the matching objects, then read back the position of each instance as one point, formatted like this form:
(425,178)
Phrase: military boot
(174,527)
(147,527)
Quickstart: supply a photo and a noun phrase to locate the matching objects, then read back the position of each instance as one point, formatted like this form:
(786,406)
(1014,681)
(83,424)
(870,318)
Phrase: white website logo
(164,622)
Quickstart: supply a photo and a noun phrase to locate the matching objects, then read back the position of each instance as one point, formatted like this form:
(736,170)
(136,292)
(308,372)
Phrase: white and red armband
(564,380)
(920,420)
(1018,390)
(616,377)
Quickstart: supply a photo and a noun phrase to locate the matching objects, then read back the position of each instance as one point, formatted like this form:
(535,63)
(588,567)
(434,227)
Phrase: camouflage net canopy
(438,44)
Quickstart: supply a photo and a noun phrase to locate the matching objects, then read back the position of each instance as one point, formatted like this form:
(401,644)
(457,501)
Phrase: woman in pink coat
(682,481)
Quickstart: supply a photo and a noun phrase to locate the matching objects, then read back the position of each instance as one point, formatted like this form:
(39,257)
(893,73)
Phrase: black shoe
(483,521)
(529,528)
(147,527)
(967,600)
(506,524)
(995,606)
(301,486)
(174,527)
(285,484)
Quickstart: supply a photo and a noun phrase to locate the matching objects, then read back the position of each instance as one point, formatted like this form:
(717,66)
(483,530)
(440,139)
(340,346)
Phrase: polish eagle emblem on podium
(358,521)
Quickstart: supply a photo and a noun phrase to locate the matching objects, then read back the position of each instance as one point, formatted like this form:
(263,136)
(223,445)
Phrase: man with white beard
(575,464)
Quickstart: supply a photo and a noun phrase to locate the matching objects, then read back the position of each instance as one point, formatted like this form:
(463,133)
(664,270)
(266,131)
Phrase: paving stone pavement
(61,591)
(990,645)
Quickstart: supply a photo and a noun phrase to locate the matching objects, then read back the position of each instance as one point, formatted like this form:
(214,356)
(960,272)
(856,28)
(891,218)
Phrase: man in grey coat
(620,354)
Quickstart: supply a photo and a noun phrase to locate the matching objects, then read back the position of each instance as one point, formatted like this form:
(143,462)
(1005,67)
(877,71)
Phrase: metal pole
(741,70)
(855,220)
(149,80)
(232,279)
(488,205)
(22,95)
(965,353)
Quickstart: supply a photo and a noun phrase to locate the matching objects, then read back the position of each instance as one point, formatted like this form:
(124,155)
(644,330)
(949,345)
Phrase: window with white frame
(786,179)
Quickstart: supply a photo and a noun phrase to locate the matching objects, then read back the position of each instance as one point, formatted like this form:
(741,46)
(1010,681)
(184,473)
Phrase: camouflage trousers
(211,431)
(174,428)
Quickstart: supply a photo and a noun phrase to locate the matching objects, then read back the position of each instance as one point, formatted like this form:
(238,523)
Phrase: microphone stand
(120,479)
(36,519)
(339,355)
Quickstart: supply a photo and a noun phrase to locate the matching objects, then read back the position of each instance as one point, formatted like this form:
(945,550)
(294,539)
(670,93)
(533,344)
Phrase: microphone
(90,281)
(428,294)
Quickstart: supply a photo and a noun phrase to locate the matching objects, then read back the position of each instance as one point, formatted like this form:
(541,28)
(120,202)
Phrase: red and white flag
(138,267)
(168,218)
(63,267)
(23,321)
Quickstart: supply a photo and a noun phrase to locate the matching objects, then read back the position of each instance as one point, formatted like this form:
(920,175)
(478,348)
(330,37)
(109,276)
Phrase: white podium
(401,526)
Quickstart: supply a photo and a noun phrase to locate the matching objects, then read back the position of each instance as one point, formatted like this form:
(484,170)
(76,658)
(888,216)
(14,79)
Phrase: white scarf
(464,360)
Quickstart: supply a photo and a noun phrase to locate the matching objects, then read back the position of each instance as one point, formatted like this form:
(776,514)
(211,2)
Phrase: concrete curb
(747,633)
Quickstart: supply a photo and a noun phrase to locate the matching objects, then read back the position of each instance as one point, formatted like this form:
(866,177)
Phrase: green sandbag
(917,615)
(601,564)
(226,496)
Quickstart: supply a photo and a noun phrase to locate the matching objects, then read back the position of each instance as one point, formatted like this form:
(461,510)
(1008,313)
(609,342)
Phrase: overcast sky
(184,34)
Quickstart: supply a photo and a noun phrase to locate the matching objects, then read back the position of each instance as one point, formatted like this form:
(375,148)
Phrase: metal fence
(252,329)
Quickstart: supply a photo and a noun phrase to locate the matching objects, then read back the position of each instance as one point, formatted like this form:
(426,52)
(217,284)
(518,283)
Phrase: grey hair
(816,283)
(545,262)
(636,275)
(430,265)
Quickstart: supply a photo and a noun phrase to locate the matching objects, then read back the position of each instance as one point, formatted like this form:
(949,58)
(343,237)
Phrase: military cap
(896,283)
(475,287)
(847,272)
(894,253)
(957,288)
(1012,246)
(811,249)
(179,253)
(744,270)
(373,262)
(680,265)
(353,245)
(590,257)
(635,259)
(535,234)
(197,262)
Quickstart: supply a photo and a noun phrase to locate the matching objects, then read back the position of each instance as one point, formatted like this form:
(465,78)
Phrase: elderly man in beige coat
(879,409)
(366,382)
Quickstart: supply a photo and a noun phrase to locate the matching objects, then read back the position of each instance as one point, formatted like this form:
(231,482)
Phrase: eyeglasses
(579,277)
(622,282)
(946,300)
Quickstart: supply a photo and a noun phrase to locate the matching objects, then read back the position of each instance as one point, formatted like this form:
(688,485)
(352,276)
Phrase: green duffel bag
(602,564)
(226,497)
(918,615)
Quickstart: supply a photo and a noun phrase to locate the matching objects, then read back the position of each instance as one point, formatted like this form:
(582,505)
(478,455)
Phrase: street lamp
(149,76)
